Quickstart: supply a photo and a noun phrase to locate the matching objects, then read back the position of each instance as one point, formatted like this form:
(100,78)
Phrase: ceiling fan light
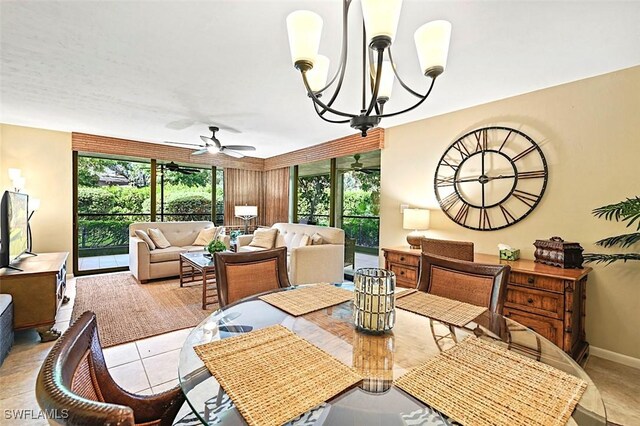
(212,149)
(381,17)
(432,42)
(386,81)
(317,76)
(304,28)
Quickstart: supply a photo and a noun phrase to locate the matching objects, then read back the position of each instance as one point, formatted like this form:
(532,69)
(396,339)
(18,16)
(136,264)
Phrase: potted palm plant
(625,211)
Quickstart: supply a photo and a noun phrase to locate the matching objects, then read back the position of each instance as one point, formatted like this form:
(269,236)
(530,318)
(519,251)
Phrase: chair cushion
(264,238)
(145,237)
(166,254)
(158,238)
(206,236)
(249,249)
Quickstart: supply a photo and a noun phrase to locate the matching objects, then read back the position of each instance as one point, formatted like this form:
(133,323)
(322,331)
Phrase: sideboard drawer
(537,281)
(405,273)
(549,328)
(539,302)
(404,259)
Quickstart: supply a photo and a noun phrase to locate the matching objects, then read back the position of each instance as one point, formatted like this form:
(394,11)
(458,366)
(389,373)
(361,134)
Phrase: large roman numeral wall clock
(491,178)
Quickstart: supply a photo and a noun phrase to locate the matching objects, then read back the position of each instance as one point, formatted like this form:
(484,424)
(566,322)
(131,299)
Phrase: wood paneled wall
(347,145)
(242,187)
(93,144)
(276,196)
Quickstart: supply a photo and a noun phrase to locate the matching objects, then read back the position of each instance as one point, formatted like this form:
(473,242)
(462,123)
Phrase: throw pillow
(305,241)
(206,236)
(264,238)
(158,238)
(145,237)
(316,239)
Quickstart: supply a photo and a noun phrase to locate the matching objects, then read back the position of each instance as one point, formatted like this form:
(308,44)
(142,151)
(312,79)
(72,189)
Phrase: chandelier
(378,67)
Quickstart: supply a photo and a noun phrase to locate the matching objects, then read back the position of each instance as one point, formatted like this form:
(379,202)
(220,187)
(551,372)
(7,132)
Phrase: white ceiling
(135,69)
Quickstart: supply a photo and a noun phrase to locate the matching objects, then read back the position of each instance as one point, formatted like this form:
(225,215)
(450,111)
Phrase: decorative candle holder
(374,302)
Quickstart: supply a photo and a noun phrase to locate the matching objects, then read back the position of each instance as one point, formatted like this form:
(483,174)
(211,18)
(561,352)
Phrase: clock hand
(501,177)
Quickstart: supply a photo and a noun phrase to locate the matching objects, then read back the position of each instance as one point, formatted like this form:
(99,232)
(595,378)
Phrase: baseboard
(615,357)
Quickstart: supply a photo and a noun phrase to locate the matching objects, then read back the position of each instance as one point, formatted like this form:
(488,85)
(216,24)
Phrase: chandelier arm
(374,95)
(402,83)
(318,101)
(320,114)
(423,98)
(343,54)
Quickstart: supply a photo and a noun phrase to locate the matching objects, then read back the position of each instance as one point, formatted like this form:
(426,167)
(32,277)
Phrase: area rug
(128,311)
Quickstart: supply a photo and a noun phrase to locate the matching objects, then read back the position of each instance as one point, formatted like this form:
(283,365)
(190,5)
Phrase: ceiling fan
(181,169)
(359,167)
(213,145)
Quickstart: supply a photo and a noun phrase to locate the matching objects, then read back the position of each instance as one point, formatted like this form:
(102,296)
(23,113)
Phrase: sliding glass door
(112,193)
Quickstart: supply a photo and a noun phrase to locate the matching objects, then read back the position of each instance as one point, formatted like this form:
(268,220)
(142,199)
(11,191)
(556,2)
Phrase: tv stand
(13,268)
(37,286)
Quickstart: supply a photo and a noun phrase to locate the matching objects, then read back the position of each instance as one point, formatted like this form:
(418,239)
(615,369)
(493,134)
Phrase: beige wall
(44,156)
(589,132)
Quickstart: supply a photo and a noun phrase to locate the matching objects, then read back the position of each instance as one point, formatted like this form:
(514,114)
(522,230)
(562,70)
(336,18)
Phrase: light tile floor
(150,366)
(101,262)
(363,261)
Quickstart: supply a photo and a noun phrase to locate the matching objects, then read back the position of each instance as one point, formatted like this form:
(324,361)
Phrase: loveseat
(312,263)
(147,264)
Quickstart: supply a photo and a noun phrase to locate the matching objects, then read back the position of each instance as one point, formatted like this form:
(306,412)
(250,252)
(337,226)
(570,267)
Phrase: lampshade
(317,76)
(417,219)
(14,173)
(381,17)
(246,210)
(386,81)
(19,182)
(34,204)
(432,41)
(304,28)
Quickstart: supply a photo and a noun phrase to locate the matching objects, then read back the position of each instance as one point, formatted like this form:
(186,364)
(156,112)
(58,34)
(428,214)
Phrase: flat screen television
(14,217)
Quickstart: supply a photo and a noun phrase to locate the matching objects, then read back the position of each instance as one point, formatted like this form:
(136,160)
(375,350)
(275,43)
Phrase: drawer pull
(530,280)
(530,300)
(401,272)
(401,258)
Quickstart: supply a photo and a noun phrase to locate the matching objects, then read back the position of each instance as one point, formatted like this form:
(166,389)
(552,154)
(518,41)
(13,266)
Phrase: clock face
(491,178)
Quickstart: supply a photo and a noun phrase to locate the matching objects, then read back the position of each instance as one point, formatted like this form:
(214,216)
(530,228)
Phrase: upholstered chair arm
(313,264)
(139,258)
(244,240)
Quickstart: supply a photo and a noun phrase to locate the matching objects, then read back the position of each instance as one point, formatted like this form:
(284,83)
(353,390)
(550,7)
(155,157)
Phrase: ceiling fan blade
(210,141)
(181,124)
(200,151)
(231,153)
(240,147)
(181,143)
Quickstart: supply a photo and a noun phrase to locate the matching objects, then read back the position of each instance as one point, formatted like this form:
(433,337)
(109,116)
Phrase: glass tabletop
(200,258)
(381,358)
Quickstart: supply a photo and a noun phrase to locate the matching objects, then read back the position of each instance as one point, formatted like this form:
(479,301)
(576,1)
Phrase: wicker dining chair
(76,386)
(240,275)
(476,283)
(461,250)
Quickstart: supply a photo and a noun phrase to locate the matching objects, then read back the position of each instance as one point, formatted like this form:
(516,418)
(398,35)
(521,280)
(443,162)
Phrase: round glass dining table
(379,358)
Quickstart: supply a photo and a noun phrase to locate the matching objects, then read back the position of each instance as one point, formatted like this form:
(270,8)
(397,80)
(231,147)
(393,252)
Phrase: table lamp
(417,220)
(246,213)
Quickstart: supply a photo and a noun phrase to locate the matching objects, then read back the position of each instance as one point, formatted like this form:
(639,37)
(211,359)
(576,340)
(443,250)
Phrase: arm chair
(461,250)
(74,383)
(475,283)
(240,275)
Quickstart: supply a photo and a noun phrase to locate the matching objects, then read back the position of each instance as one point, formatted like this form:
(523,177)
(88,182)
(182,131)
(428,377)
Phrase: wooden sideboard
(546,299)
(37,291)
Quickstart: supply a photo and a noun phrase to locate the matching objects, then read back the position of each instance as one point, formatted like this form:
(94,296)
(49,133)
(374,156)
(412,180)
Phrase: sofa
(146,264)
(307,263)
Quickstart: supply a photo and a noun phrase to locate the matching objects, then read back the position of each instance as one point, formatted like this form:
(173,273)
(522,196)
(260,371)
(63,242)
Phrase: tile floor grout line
(143,367)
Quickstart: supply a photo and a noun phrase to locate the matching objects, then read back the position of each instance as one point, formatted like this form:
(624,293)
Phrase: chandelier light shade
(317,76)
(305,29)
(381,17)
(432,42)
(379,71)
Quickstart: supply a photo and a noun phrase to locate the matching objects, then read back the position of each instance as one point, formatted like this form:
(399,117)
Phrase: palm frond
(624,240)
(627,210)
(610,258)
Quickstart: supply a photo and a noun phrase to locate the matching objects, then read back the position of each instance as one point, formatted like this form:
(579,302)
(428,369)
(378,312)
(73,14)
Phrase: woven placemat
(303,300)
(272,375)
(439,308)
(480,383)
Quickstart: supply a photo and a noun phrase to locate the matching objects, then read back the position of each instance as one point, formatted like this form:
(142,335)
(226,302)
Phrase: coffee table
(200,269)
